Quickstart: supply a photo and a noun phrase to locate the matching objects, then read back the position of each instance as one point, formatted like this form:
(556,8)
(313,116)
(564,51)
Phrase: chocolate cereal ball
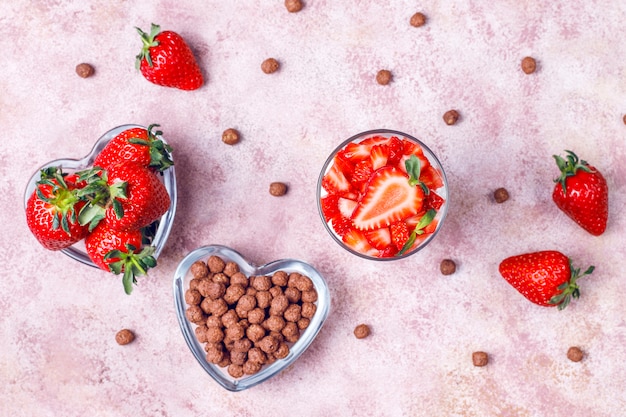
(480,358)
(195,314)
(213,321)
(291,332)
(221,277)
(234,332)
(293,313)
(280,278)
(281,351)
(124,337)
(214,334)
(361,331)
(274,323)
(304,283)
(193,297)
(261,282)
(199,269)
(233,293)
(257,355)
(239,279)
(251,368)
(264,299)
(218,307)
(293,294)
(215,290)
(236,371)
(303,323)
(309,296)
(229,318)
(275,291)
(231,268)
(216,264)
(256,315)
(200,332)
(279,305)
(242,345)
(214,356)
(255,332)
(268,344)
(308,310)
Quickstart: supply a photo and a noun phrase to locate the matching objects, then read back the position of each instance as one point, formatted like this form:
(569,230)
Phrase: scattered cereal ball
(85,70)
(199,269)
(124,337)
(278,189)
(230,136)
(624,119)
(361,331)
(383,77)
(270,65)
(575,354)
(447,267)
(293,6)
(529,65)
(480,358)
(418,19)
(501,195)
(451,117)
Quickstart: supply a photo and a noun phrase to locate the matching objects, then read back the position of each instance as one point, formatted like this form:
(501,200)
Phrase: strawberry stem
(61,198)
(148,42)
(424,221)
(413,168)
(569,167)
(132,264)
(569,289)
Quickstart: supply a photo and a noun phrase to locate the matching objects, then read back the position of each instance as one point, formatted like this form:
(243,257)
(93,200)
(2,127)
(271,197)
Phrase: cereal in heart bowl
(246,323)
(113,209)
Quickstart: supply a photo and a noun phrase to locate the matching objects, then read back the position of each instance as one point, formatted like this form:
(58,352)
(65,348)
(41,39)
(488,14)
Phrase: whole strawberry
(581,193)
(52,209)
(127,196)
(138,145)
(546,278)
(120,252)
(167,60)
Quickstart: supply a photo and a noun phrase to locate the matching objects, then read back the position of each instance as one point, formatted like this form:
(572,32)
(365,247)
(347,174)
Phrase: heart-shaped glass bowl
(182,278)
(361,244)
(164,224)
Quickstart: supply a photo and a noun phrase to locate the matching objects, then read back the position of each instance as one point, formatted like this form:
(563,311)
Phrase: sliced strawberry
(341,225)
(388,252)
(399,233)
(388,198)
(335,182)
(344,164)
(361,175)
(433,200)
(356,240)
(431,177)
(379,156)
(395,150)
(355,152)
(374,140)
(330,206)
(379,238)
(424,162)
(346,206)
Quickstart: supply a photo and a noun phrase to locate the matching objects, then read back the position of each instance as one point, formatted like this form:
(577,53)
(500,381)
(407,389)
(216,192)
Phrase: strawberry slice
(395,150)
(346,206)
(379,156)
(431,177)
(330,206)
(344,164)
(355,152)
(356,240)
(341,225)
(399,233)
(361,174)
(388,198)
(433,200)
(334,182)
(379,238)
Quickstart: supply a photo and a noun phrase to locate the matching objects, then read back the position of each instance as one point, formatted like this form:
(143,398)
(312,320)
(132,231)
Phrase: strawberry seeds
(381,196)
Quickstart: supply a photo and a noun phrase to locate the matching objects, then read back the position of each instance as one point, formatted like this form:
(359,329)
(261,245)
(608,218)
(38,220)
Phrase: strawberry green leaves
(131,264)
(413,168)
(419,230)
(569,289)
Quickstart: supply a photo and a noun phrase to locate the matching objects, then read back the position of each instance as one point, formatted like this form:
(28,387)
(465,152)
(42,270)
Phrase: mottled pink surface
(58,355)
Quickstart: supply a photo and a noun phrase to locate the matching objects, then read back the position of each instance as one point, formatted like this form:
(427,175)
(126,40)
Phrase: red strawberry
(399,234)
(52,209)
(330,206)
(167,60)
(341,225)
(431,177)
(379,156)
(120,252)
(335,182)
(137,145)
(546,278)
(379,238)
(361,175)
(389,197)
(356,240)
(582,194)
(395,150)
(127,195)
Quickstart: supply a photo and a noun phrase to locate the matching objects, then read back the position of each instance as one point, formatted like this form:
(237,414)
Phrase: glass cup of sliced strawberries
(382,195)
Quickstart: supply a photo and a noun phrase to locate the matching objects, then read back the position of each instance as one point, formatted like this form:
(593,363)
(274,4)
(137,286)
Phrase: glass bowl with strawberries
(382,195)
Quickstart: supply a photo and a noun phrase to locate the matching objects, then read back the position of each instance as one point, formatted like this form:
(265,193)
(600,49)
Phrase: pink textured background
(58,356)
